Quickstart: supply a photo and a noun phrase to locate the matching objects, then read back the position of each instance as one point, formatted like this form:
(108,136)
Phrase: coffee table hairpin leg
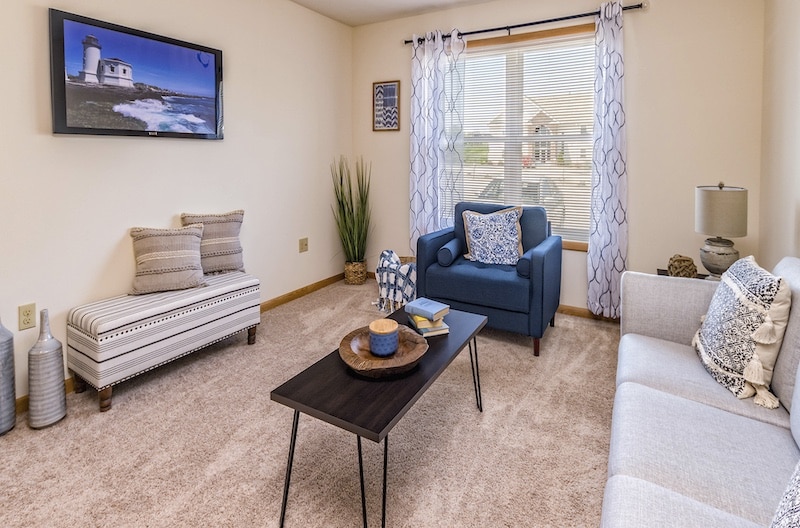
(476,373)
(361,476)
(289,466)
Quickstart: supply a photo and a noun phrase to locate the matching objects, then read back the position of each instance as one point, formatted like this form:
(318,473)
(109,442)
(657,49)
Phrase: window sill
(569,245)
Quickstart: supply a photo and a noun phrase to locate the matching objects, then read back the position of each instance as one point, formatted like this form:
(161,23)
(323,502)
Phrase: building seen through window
(528,112)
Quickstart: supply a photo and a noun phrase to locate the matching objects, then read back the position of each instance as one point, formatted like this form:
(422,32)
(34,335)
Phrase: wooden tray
(354,351)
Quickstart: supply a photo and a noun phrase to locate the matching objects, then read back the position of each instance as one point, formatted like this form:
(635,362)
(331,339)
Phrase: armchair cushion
(448,252)
(493,238)
(493,285)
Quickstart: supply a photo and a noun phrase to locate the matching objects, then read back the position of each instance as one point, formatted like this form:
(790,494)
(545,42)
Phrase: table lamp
(720,211)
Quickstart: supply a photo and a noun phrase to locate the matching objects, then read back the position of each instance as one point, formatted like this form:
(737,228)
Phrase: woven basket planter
(355,272)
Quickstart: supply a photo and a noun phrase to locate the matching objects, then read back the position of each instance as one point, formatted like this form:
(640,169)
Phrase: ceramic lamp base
(717,256)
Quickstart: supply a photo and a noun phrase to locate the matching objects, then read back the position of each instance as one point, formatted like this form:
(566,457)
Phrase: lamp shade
(720,211)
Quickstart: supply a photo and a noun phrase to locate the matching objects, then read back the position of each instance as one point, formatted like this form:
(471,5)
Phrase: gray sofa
(684,450)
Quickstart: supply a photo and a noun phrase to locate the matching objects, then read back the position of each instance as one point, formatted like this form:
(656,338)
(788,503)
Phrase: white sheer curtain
(608,230)
(437,77)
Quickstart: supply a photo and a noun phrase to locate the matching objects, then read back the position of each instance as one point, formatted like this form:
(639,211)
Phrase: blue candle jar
(383,337)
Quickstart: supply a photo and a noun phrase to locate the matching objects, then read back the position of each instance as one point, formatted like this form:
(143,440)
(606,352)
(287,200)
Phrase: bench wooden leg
(251,335)
(105,399)
(78,385)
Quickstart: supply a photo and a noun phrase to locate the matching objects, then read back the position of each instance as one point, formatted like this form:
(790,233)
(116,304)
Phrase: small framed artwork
(386,106)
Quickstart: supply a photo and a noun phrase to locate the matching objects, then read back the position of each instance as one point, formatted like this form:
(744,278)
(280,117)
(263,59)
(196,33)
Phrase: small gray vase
(47,399)
(8,399)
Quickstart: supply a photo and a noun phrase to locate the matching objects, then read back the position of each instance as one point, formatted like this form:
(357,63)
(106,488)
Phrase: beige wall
(780,186)
(66,214)
(298,93)
(693,90)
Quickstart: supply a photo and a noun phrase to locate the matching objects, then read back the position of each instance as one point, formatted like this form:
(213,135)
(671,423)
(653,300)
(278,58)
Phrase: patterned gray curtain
(608,230)
(437,78)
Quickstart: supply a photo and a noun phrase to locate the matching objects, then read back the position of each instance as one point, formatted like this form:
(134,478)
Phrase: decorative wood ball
(681,266)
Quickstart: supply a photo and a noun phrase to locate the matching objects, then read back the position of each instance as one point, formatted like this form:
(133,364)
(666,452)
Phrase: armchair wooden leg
(535,346)
(553,321)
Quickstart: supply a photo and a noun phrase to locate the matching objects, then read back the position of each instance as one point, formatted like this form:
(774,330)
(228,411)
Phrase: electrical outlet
(27,316)
(303,245)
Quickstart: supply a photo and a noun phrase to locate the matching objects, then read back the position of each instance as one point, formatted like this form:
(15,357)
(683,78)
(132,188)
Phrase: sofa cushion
(220,249)
(493,238)
(167,259)
(788,514)
(493,285)
(633,503)
(674,368)
(732,463)
(741,335)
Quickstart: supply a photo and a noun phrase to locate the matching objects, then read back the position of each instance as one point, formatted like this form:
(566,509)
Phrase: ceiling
(360,12)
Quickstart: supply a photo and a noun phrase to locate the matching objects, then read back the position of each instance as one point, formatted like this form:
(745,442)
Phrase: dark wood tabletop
(330,391)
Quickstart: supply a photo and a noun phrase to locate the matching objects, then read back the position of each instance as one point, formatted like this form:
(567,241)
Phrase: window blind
(527,127)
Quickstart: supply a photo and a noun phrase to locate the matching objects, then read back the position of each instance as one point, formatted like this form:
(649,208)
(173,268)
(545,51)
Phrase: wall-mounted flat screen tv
(113,80)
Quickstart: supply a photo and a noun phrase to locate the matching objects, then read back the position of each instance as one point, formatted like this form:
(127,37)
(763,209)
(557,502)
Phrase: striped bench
(112,340)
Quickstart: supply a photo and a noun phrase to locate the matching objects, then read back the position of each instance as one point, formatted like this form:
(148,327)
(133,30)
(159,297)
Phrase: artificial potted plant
(352,214)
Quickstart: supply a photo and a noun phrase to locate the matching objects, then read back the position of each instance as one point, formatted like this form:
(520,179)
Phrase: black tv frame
(113,122)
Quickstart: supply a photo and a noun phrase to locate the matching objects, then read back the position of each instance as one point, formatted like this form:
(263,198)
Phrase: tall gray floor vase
(8,399)
(47,399)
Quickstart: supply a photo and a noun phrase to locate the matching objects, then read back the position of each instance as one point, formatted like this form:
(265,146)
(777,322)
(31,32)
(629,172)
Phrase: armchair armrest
(427,247)
(545,270)
(664,307)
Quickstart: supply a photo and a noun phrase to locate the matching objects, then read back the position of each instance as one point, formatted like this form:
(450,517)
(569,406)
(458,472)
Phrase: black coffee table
(330,391)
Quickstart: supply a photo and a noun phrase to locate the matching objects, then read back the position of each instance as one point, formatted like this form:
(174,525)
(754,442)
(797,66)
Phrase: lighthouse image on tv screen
(116,80)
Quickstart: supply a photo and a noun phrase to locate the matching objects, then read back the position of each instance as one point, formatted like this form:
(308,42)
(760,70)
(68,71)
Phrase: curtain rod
(641,5)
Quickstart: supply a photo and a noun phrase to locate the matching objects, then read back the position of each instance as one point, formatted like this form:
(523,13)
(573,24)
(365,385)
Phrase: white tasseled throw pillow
(741,335)
(788,514)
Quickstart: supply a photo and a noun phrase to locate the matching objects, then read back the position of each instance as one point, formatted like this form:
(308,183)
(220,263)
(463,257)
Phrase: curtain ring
(508,29)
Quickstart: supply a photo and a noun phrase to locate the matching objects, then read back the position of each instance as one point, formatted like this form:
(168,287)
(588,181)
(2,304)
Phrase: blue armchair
(521,298)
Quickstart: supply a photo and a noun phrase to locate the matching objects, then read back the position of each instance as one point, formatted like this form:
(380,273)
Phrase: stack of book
(426,316)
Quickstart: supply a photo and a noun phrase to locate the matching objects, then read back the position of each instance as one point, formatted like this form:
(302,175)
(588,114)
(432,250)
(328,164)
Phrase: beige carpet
(199,442)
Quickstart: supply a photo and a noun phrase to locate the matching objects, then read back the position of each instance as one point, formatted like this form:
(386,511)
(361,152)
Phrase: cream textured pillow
(741,335)
(220,250)
(494,238)
(167,259)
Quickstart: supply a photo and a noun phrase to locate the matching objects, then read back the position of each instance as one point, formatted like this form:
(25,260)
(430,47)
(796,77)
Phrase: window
(527,121)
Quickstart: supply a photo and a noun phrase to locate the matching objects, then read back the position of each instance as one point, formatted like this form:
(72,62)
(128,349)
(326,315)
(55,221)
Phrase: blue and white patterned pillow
(494,238)
(741,335)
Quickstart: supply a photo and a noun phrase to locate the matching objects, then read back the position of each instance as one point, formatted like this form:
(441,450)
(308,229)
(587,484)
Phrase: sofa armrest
(427,247)
(664,307)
